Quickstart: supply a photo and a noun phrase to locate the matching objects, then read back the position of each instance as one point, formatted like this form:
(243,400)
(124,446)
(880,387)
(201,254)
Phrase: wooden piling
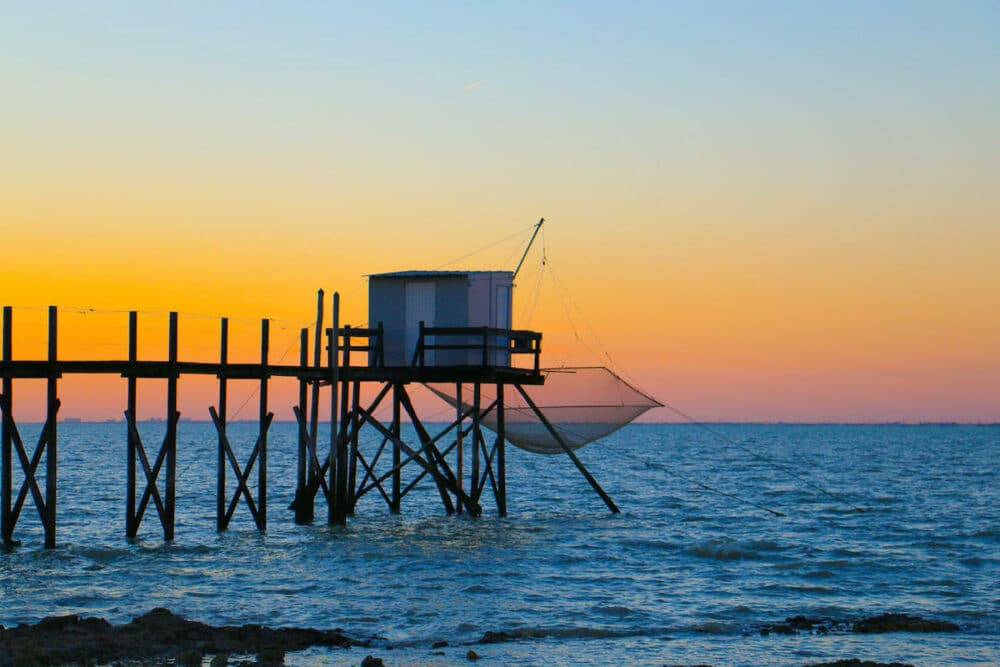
(131,525)
(396,430)
(264,421)
(501,446)
(220,491)
(52,446)
(334,360)
(317,362)
(7,390)
(302,505)
(459,417)
(170,442)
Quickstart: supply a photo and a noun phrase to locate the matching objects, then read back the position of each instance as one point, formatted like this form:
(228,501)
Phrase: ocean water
(682,575)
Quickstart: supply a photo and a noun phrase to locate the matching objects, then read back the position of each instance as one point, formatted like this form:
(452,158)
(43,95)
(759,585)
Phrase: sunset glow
(789,215)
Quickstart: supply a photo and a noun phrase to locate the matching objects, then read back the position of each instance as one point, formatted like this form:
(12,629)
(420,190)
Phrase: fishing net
(582,404)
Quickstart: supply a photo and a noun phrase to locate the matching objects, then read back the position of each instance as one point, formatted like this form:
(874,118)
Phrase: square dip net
(582,404)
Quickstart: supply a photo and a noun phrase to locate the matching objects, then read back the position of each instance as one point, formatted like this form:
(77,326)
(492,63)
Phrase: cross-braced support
(46,446)
(258,455)
(136,453)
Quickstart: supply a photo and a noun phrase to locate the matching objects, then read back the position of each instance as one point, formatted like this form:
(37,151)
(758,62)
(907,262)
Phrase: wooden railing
(374,346)
(482,340)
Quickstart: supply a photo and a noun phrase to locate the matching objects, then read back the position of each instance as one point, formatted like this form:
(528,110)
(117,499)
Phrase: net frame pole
(569,452)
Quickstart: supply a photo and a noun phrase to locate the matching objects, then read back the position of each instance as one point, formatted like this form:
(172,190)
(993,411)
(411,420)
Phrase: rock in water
(902,623)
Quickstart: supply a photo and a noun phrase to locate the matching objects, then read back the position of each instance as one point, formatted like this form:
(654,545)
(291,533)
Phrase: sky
(756,211)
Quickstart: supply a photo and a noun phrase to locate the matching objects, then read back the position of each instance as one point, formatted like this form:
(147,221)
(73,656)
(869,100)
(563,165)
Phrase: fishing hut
(448,330)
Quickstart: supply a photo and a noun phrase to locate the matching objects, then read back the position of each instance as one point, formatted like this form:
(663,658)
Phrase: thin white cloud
(473,86)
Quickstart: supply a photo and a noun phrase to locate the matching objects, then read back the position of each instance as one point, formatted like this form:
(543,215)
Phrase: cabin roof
(430,274)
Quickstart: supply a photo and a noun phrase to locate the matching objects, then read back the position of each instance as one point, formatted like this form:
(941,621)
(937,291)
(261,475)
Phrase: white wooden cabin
(401,300)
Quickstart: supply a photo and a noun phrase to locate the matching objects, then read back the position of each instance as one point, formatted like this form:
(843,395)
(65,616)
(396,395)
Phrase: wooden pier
(339,472)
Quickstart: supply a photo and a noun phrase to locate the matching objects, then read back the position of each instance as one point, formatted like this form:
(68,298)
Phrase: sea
(724,530)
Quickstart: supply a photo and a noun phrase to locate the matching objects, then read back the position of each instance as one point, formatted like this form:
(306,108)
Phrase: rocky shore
(161,636)
(158,635)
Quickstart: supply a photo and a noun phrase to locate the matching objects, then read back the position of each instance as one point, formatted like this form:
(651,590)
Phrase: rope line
(787,469)
(706,487)
(485,247)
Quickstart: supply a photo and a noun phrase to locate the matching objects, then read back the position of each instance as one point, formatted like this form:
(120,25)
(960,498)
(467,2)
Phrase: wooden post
(264,422)
(170,442)
(303,506)
(458,440)
(314,417)
(340,491)
(131,525)
(396,452)
(501,454)
(353,454)
(52,451)
(476,436)
(220,495)
(334,361)
(6,485)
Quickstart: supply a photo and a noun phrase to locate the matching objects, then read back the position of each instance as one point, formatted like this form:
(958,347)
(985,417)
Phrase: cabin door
(420,307)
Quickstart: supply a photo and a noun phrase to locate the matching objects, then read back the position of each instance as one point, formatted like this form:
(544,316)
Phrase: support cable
(673,473)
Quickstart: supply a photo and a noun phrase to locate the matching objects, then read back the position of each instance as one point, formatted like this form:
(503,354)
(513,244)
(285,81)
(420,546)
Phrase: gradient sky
(763,210)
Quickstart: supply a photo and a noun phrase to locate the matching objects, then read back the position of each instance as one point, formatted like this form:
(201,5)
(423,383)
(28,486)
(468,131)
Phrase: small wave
(715,628)
(613,610)
(477,588)
(819,574)
(100,554)
(522,633)
(727,550)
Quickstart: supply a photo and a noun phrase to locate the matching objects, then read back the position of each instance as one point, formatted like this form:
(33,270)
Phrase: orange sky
(789,215)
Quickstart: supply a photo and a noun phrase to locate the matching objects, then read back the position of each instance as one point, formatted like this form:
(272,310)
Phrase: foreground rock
(158,634)
(882,623)
(902,623)
(854,662)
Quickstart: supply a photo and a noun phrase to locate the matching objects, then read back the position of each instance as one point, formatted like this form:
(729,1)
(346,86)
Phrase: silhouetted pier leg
(264,422)
(7,398)
(170,442)
(52,451)
(352,479)
(303,503)
(562,443)
(131,524)
(334,362)
(396,431)
(220,486)
(459,417)
(477,437)
(314,414)
(501,490)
